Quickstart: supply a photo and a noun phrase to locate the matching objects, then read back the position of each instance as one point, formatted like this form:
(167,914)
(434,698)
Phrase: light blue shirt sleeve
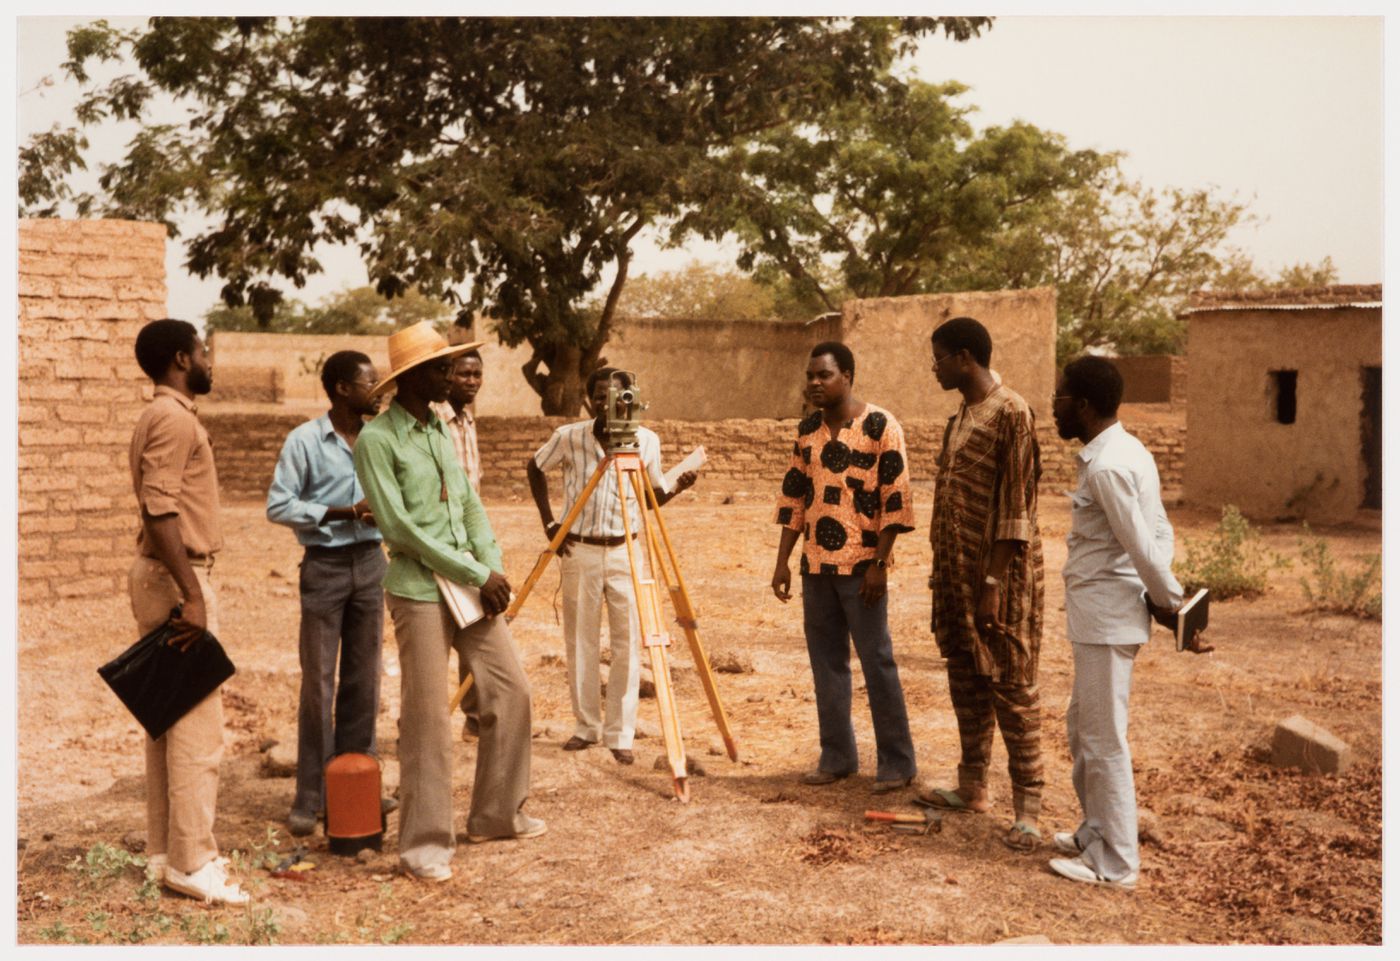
(290,478)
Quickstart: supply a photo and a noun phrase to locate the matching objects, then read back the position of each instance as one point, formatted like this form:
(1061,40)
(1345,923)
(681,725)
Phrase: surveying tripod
(627,464)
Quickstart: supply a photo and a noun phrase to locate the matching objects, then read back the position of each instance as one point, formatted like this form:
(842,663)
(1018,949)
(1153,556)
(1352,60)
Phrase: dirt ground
(1237,851)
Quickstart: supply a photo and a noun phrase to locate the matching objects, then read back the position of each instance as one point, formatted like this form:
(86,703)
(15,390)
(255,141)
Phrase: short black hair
(845,360)
(340,366)
(467,353)
(603,373)
(1096,380)
(159,342)
(965,333)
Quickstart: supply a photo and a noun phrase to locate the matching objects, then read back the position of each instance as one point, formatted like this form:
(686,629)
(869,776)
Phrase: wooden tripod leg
(686,617)
(653,632)
(564,527)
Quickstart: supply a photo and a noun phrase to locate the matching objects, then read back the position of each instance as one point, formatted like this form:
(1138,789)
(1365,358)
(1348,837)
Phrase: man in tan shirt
(172,473)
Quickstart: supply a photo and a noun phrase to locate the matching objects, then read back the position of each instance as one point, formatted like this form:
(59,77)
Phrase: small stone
(366,855)
(1300,743)
(1149,826)
(133,842)
(731,662)
(647,728)
(755,698)
(48,835)
(646,684)
(280,760)
(715,747)
(266,744)
(89,826)
(21,843)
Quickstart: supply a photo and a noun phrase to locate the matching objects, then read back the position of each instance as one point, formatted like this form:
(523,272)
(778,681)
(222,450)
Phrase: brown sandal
(1022,837)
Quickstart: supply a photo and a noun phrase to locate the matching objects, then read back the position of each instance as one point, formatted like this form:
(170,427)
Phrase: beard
(200,380)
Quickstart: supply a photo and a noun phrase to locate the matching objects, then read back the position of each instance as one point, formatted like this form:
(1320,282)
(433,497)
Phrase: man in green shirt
(433,523)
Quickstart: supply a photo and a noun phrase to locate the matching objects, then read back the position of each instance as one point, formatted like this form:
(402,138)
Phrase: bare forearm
(785,546)
(1000,559)
(539,490)
(164,535)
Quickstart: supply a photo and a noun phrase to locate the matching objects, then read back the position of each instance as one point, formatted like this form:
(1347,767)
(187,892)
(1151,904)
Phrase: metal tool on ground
(647,563)
(916,822)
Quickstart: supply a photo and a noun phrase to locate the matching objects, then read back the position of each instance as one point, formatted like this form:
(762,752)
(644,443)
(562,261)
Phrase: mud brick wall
(85,289)
(744,455)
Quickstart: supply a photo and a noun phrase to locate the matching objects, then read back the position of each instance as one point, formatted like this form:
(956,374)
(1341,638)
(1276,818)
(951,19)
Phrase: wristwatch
(880,563)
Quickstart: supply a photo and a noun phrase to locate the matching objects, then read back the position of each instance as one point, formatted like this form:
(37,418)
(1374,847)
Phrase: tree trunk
(561,390)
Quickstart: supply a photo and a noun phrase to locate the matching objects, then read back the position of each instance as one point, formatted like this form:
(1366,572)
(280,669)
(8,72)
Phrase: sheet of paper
(695,460)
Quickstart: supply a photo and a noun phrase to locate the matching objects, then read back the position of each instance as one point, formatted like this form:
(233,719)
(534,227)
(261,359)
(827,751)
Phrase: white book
(695,460)
(463,600)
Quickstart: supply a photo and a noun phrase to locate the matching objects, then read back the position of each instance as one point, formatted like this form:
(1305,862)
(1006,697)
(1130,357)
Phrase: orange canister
(354,820)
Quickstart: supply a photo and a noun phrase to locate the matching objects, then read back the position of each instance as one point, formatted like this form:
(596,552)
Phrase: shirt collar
(1089,451)
(324,427)
(164,391)
(403,421)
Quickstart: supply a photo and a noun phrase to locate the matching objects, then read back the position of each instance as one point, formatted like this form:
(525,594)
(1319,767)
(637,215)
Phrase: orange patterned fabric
(842,491)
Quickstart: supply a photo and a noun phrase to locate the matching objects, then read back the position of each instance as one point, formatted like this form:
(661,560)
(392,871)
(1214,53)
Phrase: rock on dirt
(280,760)
(692,767)
(731,662)
(1300,743)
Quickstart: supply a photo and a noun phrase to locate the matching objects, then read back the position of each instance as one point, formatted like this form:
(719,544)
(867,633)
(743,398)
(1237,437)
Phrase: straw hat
(417,345)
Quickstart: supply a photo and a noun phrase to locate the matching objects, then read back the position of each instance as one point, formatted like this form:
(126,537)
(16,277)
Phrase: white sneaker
(209,884)
(155,867)
(1066,844)
(530,828)
(1076,870)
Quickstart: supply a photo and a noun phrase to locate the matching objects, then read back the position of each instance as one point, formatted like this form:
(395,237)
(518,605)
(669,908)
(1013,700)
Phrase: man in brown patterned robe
(988,577)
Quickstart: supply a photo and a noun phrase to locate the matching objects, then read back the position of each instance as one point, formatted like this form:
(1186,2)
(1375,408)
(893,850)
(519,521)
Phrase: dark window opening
(1283,385)
(1371,436)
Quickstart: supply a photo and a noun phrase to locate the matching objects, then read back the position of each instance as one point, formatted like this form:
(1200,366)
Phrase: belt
(200,560)
(337,548)
(596,541)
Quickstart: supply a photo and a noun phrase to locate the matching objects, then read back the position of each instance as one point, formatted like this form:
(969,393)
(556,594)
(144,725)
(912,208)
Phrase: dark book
(159,684)
(1192,618)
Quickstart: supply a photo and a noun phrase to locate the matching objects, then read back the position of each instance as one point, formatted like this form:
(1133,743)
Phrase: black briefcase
(159,684)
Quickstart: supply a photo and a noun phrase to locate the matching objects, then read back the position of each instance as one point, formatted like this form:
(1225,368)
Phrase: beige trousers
(425,632)
(591,576)
(182,765)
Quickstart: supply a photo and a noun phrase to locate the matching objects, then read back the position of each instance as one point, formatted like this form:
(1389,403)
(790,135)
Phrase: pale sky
(1284,112)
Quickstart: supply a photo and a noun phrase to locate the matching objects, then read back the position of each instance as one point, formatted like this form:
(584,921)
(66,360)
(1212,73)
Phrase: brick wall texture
(748,455)
(85,289)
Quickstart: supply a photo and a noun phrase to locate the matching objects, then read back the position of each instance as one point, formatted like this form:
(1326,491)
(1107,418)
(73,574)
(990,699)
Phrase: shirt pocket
(1086,517)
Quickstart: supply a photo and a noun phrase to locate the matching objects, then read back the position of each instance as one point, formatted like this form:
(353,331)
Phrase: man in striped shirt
(593,569)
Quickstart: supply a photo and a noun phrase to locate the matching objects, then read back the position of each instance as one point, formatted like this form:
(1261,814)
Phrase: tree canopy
(353,310)
(521,154)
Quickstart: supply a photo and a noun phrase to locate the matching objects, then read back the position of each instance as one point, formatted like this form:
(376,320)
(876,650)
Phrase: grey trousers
(834,618)
(425,632)
(1097,721)
(342,619)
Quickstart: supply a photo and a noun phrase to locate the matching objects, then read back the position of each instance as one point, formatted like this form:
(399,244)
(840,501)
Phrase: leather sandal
(1022,837)
(946,799)
(577,743)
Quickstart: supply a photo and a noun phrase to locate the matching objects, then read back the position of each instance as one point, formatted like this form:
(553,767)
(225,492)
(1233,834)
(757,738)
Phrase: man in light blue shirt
(315,492)
(1119,565)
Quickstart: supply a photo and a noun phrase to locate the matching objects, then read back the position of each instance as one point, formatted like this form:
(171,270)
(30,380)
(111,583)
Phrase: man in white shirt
(594,569)
(1120,548)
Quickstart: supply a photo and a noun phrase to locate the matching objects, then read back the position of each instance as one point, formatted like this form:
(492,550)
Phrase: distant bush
(1229,561)
(1331,589)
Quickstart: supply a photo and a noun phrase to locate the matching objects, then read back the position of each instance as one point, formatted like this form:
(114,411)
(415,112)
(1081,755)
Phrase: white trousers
(1097,720)
(591,577)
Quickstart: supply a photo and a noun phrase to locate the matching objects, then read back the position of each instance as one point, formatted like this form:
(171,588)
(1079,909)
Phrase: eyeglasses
(938,361)
(1056,398)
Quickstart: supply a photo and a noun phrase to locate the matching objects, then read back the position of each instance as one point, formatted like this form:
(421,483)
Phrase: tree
(523,154)
(358,310)
(896,191)
(705,292)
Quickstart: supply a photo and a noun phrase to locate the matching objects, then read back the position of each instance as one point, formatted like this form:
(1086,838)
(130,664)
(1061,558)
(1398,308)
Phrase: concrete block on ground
(1300,743)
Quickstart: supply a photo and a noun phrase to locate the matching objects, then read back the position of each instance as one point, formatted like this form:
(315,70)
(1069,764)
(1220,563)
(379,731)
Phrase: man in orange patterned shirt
(847,493)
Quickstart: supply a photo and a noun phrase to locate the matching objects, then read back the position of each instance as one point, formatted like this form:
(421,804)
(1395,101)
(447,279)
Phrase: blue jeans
(833,616)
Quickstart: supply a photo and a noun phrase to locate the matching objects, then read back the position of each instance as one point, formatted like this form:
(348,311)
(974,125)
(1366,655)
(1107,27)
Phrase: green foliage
(704,292)
(1229,561)
(1333,589)
(522,155)
(359,310)
(896,191)
(396,934)
(203,929)
(262,927)
(103,863)
(263,856)
(58,931)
